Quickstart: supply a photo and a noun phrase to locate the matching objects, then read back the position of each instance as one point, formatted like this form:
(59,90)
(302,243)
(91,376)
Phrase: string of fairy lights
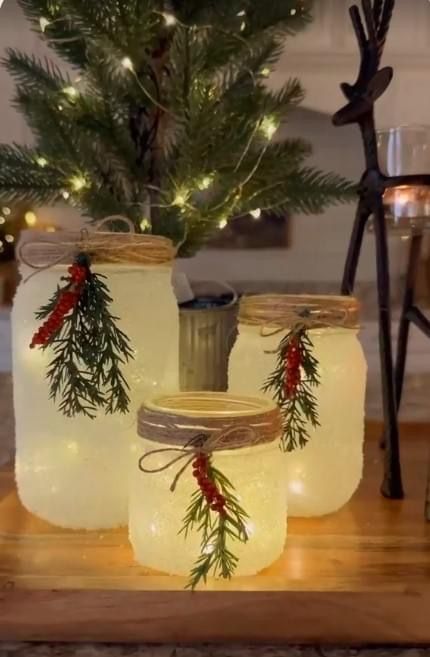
(182,197)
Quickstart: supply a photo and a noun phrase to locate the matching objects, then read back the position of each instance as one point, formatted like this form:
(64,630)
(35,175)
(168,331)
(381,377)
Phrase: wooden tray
(359,576)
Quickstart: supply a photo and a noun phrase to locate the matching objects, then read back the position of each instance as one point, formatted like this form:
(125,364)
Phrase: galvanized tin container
(207,336)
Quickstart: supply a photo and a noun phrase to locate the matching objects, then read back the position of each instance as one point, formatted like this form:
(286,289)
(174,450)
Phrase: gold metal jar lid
(239,421)
(310,311)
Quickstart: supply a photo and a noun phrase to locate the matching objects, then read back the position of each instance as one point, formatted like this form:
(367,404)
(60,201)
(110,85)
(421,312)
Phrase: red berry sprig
(293,364)
(209,489)
(67,300)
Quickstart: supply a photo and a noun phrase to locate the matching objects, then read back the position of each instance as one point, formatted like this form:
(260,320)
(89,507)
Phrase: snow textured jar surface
(323,475)
(253,466)
(74,472)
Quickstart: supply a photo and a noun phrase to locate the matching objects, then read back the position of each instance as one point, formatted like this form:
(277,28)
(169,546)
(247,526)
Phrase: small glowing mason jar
(74,472)
(253,465)
(322,476)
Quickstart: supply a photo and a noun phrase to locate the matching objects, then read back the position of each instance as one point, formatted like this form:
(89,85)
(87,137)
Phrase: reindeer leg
(354,250)
(408,302)
(392,486)
(405,322)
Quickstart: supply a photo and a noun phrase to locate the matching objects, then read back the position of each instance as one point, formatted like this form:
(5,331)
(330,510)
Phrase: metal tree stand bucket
(207,336)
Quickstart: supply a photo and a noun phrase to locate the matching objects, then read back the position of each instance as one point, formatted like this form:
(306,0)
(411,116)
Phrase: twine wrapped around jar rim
(238,421)
(284,311)
(43,252)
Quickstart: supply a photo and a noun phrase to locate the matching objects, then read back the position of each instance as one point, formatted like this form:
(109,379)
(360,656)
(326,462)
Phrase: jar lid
(311,311)
(42,251)
(239,421)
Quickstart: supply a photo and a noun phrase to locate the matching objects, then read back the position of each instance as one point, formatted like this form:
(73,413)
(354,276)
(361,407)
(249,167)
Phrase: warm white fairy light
(293,12)
(265,72)
(243,26)
(30,219)
(65,194)
(169,19)
(2,221)
(205,182)
(222,223)
(269,125)
(6,211)
(256,214)
(78,183)
(71,92)
(181,198)
(60,108)
(44,23)
(127,64)
(42,162)
(145,225)
(241,13)
(1,246)
(296,486)
(9,238)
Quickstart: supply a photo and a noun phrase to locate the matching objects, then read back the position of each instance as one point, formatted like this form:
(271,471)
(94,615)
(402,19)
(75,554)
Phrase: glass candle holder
(323,474)
(74,472)
(168,427)
(406,151)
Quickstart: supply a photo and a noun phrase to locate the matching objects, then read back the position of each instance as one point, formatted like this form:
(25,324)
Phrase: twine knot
(41,253)
(200,444)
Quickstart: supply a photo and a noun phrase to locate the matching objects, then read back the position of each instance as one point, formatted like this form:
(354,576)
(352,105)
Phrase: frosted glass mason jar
(74,472)
(323,476)
(255,470)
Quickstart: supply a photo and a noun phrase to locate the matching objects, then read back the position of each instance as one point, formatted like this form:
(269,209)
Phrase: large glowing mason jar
(74,472)
(244,434)
(323,475)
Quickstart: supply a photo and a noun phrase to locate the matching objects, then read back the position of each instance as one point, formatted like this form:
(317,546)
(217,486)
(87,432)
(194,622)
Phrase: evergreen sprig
(299,408)
(217,530)
(89,351)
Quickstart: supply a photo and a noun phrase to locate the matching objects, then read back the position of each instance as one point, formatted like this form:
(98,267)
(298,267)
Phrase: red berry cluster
(211,493)
(293,363)
(67,300)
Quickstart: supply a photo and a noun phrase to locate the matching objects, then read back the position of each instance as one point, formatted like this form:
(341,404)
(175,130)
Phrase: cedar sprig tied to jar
(215,511)
(89,348)
(292,384)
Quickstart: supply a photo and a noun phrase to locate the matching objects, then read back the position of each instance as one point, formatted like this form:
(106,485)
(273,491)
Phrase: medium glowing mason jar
(74,472)
(254,467)
(323,475)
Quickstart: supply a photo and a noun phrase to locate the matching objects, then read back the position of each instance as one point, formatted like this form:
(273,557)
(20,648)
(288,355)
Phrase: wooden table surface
(361,575)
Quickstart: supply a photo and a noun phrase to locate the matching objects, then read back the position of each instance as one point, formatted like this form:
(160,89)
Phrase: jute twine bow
(42,253)
(186,436)
(275,313)
(201,443)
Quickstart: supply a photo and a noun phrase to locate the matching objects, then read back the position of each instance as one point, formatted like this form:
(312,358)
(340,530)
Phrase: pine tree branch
(21,178)
(33,74)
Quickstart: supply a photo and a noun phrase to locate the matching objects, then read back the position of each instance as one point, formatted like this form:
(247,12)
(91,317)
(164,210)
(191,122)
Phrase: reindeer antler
(371,36)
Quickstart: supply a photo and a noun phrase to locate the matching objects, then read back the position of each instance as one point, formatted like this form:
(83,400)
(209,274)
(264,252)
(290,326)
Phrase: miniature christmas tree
(166,118)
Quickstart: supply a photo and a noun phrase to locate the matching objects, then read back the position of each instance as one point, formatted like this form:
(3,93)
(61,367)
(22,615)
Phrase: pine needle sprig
(298,406)
(217,528)
(103,338)
(89,349)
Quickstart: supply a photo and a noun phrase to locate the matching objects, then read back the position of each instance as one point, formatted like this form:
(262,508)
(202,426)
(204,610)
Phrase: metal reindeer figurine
(371,27)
